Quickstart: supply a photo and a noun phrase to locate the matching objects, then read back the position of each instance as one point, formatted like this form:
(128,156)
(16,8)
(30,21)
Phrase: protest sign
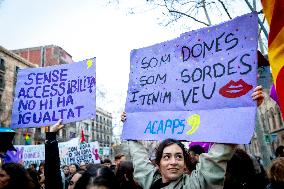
(45,95)
(196,87)
(69,152)
(106,151)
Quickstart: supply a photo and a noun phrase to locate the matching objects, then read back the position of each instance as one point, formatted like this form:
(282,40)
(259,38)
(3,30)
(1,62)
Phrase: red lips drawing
(235,89)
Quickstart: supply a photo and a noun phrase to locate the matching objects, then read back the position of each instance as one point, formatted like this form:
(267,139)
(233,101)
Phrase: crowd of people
(243,171)
(174,167)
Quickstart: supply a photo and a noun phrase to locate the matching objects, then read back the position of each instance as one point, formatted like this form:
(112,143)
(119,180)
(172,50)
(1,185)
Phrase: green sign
(101,151)
(267,139)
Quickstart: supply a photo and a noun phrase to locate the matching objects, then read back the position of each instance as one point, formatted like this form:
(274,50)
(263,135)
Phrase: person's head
(104,178)
(86,178)
(73,168)
(170,158)
(118,158)
(276,173)
(240,171)
(106,162)
(41,167)
(101,183)
(191,164)
(279,152)
(93,171)
(195,151)
(14,175)
(65,170)
(125,170)
(83,165)
(74,179)
(4,178)
(124,175)
(33,166)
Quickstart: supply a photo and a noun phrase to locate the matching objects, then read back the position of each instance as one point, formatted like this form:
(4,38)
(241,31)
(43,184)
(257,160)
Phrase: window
(2,81)
(267,115)
(64,134)
(272,118)
(16,74)
(38,130)
(2,65)
(262,119)
(1,104)
(280,120)
(2,74)
(86,127)
(15,78)
(72,135)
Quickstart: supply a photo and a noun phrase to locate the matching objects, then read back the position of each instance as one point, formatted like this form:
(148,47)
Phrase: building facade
(44,56)
(99,129)
(10,64)
(269,119)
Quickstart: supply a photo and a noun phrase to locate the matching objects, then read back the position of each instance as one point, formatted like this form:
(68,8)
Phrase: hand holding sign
(258,95)
(57,126)
(123,117)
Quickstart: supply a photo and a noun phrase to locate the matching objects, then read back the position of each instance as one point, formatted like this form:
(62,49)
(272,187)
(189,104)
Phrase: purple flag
(273,94)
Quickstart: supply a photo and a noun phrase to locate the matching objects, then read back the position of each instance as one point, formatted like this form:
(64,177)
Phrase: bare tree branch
(177,12)
(225,8)
(259,21)
(206,13)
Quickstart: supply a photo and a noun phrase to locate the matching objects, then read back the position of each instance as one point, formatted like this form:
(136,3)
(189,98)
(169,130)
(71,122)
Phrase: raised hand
(123,117)
(57,126)
(258,95)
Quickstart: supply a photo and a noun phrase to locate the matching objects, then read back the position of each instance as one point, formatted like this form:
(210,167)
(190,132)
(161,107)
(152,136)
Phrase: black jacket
(52,172)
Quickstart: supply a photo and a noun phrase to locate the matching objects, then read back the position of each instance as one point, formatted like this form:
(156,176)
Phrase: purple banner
(196,79)
(45,95)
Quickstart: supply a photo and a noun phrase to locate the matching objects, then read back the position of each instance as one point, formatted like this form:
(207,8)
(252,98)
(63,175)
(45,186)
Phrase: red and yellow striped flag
(274,13)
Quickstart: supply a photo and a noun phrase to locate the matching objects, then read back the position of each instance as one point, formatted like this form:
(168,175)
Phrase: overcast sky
(84,29)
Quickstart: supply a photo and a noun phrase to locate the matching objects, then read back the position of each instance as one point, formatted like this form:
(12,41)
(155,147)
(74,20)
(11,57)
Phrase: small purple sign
(196,87)
(45,95)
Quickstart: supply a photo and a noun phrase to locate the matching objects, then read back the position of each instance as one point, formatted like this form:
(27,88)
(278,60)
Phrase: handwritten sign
(69,152)
(45,95)
(196,87)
